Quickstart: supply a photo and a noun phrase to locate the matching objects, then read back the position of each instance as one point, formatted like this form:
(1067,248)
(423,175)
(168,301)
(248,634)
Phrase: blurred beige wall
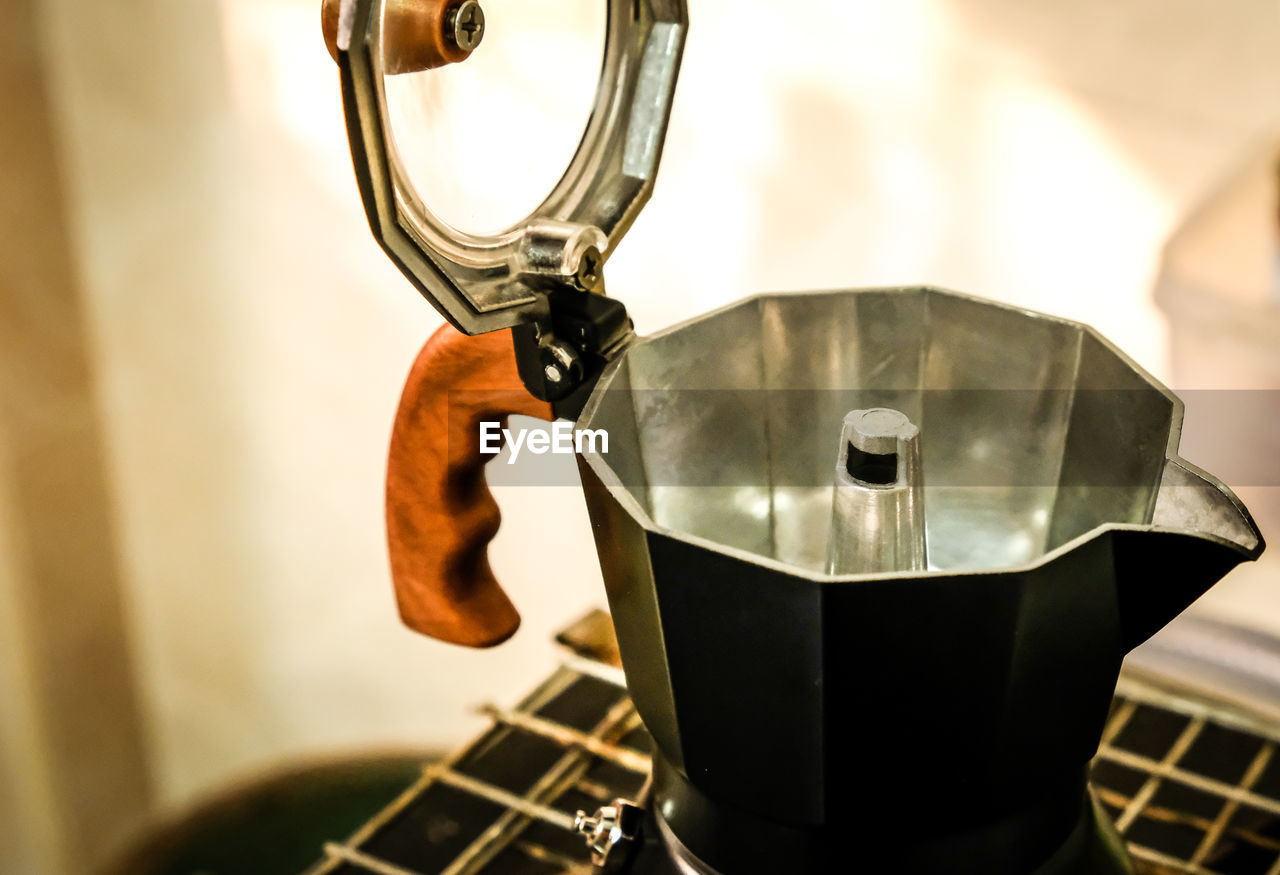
(73,773)
(247,340)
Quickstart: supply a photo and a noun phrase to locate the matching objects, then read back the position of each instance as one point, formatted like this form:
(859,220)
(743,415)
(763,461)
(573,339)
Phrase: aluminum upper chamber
(1061,530)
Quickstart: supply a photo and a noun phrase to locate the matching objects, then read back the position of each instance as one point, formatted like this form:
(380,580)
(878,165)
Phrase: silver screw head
(561,368)
(467,25)
(590,275)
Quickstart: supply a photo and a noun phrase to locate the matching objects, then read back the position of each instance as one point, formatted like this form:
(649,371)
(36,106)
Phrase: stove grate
(506,803)
(1192,787)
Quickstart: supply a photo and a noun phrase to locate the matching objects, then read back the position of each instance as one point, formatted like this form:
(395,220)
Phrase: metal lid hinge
(561,356)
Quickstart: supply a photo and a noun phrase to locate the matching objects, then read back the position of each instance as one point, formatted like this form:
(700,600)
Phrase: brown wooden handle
(440,513)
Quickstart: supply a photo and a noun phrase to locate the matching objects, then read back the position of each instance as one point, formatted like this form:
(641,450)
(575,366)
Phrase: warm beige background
(243,341)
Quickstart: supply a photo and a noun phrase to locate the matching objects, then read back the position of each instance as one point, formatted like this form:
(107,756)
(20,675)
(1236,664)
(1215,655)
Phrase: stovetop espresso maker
(866,551)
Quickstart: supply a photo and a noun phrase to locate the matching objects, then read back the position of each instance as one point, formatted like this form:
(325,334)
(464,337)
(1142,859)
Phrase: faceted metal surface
(1062,530)
(1034,430)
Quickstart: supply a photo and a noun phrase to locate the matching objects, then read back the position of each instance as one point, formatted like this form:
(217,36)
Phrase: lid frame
(483,283)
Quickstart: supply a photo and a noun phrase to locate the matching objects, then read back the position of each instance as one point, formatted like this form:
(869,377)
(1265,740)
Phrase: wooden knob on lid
(417,34)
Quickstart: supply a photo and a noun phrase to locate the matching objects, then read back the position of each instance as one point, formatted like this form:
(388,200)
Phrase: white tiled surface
(252,340)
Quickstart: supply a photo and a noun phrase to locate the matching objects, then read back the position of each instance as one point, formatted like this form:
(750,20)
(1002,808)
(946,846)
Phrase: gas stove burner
(1191,785)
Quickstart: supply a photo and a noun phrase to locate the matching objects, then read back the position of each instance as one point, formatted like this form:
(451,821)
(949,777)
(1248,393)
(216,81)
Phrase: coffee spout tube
(877,505)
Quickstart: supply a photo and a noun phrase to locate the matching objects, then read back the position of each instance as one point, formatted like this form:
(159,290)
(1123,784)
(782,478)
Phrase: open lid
(485,282)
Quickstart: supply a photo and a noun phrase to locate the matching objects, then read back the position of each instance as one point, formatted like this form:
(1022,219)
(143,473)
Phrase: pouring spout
(1191,500)
(1200,532)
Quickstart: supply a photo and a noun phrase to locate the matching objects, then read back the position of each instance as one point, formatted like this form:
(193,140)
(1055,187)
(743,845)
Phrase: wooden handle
(440,513)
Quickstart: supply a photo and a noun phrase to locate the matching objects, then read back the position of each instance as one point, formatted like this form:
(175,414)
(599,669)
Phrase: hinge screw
(562,366)
(590,275)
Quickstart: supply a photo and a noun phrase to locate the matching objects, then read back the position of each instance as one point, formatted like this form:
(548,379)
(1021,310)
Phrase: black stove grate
(506,803)
(1192,787)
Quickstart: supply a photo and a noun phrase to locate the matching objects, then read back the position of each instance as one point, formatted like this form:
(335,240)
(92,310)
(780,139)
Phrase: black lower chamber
(945,721)
(1060,832)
